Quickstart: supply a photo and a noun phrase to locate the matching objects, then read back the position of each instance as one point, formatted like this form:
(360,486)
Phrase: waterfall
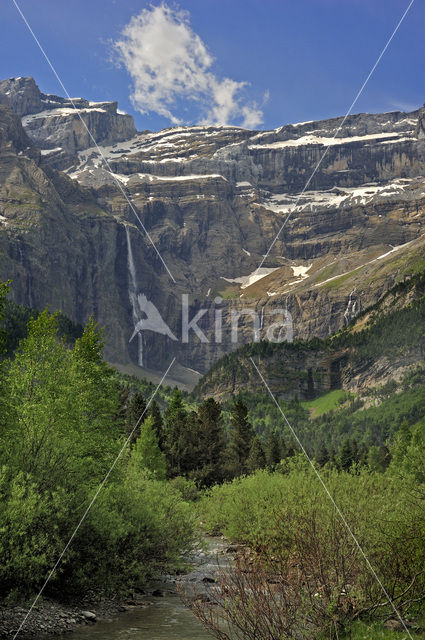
(132,294)
(351,309)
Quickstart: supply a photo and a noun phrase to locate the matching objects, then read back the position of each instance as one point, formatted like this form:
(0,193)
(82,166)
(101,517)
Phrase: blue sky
(309,57)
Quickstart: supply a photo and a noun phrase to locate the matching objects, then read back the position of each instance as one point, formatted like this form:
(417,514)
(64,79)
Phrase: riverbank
(51,618)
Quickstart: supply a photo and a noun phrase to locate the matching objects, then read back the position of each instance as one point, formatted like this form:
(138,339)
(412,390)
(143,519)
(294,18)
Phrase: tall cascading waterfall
(132,294)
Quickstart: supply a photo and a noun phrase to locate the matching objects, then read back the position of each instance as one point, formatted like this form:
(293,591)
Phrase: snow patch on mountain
(311,138)
(254,276)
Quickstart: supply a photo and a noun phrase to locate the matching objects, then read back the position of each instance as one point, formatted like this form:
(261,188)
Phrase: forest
(326,546)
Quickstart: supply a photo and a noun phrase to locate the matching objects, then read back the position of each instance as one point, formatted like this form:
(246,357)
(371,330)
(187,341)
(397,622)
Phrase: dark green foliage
(210,443)
(256,458)
(378,458)
(347,455)
(194,441)
(135,413)
(15,323)
(132,384)
(241,438)
(4,290)
(157,423)
(272,450)
(323,456)
(178,436)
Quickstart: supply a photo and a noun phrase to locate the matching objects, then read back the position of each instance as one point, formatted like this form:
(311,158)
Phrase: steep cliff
(212,199)
(62,127)
(381,345)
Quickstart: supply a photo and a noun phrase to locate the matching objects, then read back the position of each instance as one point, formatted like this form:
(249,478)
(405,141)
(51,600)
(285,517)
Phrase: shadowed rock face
(22,95)
(212,200)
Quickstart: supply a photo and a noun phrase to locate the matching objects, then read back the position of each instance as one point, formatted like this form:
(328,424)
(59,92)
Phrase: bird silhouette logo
(153,321)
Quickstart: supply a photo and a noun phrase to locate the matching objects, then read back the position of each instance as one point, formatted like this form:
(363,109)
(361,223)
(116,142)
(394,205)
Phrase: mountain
(212,198)
(61,127)
(380,346)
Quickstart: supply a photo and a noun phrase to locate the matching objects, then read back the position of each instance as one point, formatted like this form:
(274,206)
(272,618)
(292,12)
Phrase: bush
(187,488)
(60,431)
(299,544)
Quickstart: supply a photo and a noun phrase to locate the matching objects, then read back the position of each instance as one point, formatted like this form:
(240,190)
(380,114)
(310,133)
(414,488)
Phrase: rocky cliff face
(212,199)
(61,127)
(379,346)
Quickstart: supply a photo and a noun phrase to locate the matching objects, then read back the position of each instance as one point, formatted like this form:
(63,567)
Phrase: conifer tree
(256,458)
(240,439)
(4,290)
(210,443)
(346,457)
(158,425)
(135,413)
(272,450)
(178,439)
(378,458)
(322,456)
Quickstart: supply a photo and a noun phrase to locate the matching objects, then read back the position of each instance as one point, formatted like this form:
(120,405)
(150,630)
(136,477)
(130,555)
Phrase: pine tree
(346,457)
(322,456)
(378,458)
(123,400)
(355,450)
(272,450)
(240,439)
(178,439)
(210,443)
(135,413)
(158,425)
(256,458)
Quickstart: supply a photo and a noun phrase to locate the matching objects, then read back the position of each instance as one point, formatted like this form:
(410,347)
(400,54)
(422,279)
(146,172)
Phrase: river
(162,618)
(165,619)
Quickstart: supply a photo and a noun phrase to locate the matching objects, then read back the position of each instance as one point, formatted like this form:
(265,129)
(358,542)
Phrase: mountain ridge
(212,199)
(380,345)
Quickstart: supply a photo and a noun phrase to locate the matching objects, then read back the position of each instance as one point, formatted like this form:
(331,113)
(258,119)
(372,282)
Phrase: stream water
(164,618)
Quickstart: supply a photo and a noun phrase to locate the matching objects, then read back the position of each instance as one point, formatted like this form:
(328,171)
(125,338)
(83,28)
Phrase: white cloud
(170,68)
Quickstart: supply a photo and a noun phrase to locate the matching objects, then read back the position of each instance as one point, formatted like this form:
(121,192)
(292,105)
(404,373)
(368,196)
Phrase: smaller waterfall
(351,310)
(132,294)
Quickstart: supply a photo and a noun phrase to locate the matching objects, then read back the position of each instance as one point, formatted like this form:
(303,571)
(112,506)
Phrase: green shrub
(288,517)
